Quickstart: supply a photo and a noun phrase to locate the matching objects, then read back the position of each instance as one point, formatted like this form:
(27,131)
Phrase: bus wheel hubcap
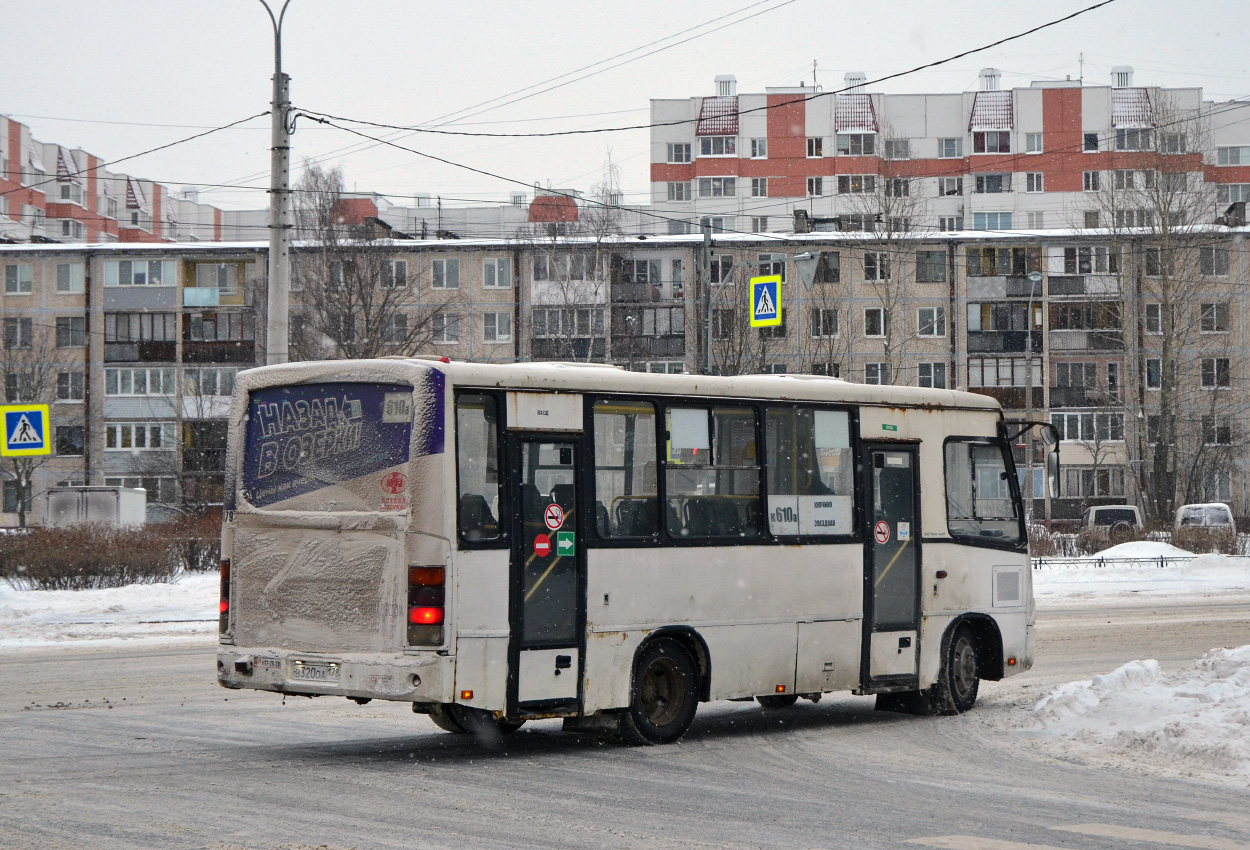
(661,692)
(965,666)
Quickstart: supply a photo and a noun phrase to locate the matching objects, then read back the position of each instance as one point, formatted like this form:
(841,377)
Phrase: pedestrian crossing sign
(766,301)
(25,430)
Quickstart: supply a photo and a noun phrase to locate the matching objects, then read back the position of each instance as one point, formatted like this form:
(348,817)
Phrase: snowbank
(1195,722)
(1080,579)
(185,609)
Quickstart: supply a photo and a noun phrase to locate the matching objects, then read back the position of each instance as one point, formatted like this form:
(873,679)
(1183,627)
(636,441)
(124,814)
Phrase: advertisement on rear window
(341,443)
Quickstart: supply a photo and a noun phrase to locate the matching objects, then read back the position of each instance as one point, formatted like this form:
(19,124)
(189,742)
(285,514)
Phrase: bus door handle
(563,662)
(904,643)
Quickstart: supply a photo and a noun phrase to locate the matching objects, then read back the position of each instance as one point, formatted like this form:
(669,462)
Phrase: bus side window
(712,477)
(810,471)
(979,503)
(626,504)
(477,467)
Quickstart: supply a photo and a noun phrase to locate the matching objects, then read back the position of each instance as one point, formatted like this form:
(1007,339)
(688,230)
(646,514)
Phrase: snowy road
(122,747)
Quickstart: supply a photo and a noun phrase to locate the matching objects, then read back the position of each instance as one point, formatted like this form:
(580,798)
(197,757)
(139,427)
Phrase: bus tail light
(223,622)
(427,599)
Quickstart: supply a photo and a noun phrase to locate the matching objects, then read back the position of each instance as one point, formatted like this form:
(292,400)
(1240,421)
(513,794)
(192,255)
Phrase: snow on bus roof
(556,376)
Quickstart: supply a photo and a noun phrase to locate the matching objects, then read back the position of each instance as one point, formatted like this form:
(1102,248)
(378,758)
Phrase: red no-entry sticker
(881,531)
(542,545)
(553,516)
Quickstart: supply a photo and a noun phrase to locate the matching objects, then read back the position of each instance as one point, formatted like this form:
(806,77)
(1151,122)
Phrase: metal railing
(1095,562)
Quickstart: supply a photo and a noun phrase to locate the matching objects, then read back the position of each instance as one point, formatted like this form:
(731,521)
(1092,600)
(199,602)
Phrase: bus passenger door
(892,568)
(546,585)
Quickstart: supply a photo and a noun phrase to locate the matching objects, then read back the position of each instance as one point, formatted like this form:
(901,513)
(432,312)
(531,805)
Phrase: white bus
(500,543)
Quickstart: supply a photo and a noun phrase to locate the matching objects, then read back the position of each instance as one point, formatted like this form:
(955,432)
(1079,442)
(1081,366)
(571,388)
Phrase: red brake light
(426,576)
(225,606)
(425,616)
(223,622)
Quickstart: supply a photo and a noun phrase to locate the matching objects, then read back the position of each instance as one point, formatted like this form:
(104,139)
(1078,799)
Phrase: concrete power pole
(277,330)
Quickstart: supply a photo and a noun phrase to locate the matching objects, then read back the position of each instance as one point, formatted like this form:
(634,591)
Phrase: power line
(797,99)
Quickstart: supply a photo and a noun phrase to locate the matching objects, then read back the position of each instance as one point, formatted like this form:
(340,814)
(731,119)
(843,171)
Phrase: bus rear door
(892,568)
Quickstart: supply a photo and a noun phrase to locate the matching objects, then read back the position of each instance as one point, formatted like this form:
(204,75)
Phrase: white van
(1207,527)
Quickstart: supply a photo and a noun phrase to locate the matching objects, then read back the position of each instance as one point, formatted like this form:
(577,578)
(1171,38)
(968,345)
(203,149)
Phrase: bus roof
(593,377)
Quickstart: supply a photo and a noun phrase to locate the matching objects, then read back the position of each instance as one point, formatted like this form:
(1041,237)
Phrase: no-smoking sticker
(881,531)
(553,516)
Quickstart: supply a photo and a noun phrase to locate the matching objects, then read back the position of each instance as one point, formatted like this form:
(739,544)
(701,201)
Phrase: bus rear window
(979,500)
(329,446)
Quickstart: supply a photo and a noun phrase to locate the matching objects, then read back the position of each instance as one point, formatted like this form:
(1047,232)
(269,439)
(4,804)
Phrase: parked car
(1109,525)
(1207,527)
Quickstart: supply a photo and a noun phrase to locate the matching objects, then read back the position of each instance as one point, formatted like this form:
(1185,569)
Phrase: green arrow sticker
(564,543)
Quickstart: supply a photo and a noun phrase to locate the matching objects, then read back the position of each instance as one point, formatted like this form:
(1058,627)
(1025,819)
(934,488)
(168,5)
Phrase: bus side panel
(479,611)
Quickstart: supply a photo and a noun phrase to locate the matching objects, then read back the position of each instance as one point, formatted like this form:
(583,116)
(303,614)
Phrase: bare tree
(1169,264)
(29,366)
(355,297)
(825,341)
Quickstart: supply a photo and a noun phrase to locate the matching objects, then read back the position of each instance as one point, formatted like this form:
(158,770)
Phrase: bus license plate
(310,671)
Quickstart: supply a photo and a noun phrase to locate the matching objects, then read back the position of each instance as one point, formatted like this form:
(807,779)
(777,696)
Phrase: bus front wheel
(665,695)
(955,691)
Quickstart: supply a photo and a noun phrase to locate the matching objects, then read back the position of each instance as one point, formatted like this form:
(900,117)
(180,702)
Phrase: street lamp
(1035,280)
(277,337)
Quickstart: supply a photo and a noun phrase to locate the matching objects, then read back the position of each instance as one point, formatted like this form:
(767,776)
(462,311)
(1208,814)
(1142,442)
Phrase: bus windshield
(328,447)
(979,500)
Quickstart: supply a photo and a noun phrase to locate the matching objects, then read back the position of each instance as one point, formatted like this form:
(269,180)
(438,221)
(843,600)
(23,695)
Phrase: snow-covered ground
(1073,581)
(184,610)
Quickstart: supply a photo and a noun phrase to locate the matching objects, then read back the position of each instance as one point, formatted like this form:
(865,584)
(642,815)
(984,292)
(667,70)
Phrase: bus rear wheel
(955,691)
(482,723)
(665,695)
(443,720)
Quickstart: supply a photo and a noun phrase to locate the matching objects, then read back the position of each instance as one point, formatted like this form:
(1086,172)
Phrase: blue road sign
(765,305)
(25,430)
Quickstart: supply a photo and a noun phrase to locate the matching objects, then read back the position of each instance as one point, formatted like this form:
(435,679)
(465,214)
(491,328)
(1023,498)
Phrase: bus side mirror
(1052,474)
(1049,435)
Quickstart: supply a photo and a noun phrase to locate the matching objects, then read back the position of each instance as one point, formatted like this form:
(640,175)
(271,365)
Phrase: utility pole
(277,330)
(705,277)
(1035,283)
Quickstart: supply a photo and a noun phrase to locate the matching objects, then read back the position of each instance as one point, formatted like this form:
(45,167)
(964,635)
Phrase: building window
(876,373)
(932,375)
(897,187)
(1096,259)
(1217,485)
(70,277)
(18,387)
(19,278)
(679,152)
(497,273)
(1154,373)
(991,221)
(930,266)
(1157,263)
(1216,373)
(898,148)
(770,264)
(138,382)
(759,224)
(759,187)
(1089,427)
(857,144)
(210,382)
(875,322)
(497,327)
(138,436)
(828,268)
(815,186)
(200,327)
(1133,140)
(1213,261)
(1090,142)
(856,184)
(991,141)
(824,322)
(948,186)
(663,321)
(1233,155)
(446,274)
(815,146)
(395,329)
(145,273)
(1217,430)
(555,322)
(18,333)
(1127,178)
(70,440)
(394,274)
(717,187)
(1091,182)
(723,323)
(640,271)
(1077,375)
(1215,317)
(931,321)
(224,277)
(560,268)
(950,148)
(679,191)
(70,386)
(718,146)
(712,223)
(71,331)
(1133,218)
(1154,317)
(446,328)
(950,223)
(1036,220)
(1033,181)
(1002,372)
(1032,142)
(876,266)
(1230,193)
(677,227)
(992,184)
(775,331)
(759,148)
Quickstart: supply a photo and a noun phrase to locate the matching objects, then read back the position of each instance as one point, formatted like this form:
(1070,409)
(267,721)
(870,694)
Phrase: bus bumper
(418,677)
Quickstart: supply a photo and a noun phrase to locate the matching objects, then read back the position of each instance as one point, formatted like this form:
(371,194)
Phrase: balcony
(1012,398)
(563,348)
(1097,340)
(635,293)
(1079,397)
(995,341)
(220,351)
(669,345)
(1066,284)
(1022,287)
(140,352)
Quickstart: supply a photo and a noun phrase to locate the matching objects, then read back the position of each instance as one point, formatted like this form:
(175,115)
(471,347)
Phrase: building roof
(553,208)
(854,113)
(718,117)
(1131,108)
(991,110)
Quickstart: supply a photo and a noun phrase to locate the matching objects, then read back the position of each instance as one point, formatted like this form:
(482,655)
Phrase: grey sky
(404,62)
